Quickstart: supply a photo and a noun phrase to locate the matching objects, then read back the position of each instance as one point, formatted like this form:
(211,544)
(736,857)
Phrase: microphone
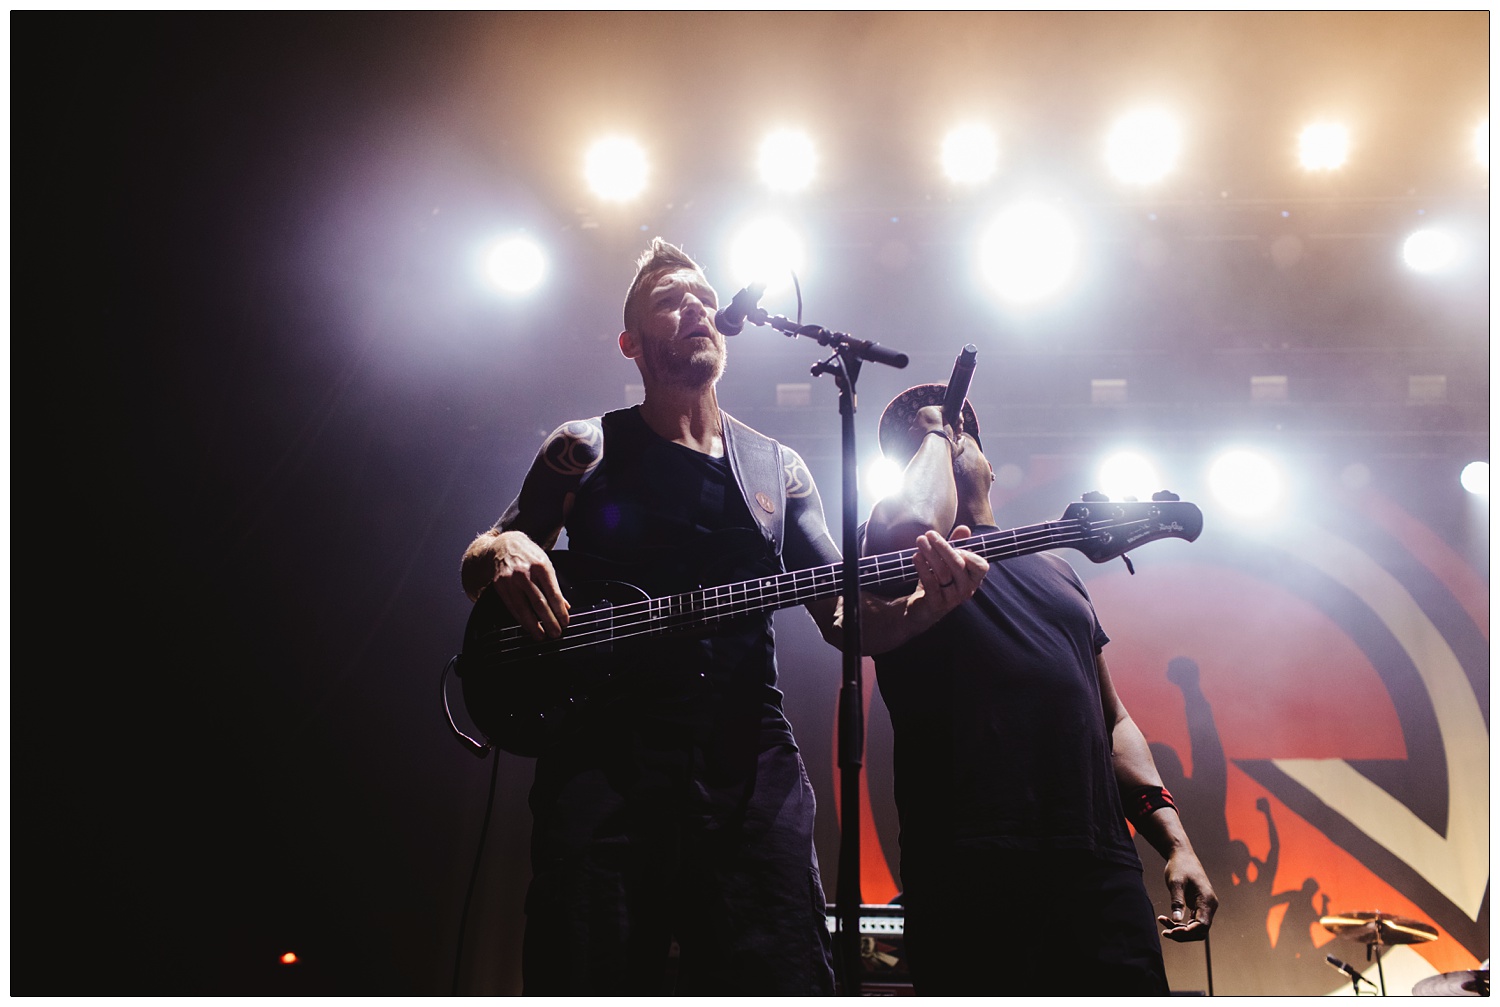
(958,385)
(730,319)
(1348,970)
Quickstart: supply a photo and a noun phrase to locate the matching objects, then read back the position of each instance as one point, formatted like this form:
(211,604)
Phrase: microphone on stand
(958,385)
(730,319)
(1349,971)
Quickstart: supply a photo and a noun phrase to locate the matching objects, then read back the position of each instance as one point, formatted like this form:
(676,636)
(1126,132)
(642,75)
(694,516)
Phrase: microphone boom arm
(841,341)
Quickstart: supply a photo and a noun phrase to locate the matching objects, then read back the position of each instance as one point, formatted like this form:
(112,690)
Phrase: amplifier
(882,949)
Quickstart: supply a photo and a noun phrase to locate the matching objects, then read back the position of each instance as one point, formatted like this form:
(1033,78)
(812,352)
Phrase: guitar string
(670,612)
(889,566)
(692,617)
(698,607)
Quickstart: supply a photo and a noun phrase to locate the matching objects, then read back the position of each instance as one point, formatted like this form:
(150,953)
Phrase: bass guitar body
(521,693)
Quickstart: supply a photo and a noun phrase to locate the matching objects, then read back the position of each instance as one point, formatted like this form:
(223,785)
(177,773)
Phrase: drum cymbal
(1454,984)
(1384,929)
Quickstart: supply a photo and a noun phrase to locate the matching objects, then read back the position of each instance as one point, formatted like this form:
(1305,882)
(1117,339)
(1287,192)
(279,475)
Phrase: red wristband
(1142,802)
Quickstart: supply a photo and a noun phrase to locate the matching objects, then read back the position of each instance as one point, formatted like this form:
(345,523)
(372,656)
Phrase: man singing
(680,810)
(1016,763)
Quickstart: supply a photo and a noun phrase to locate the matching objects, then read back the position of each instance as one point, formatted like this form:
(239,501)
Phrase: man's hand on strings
(519,571)
(949,577)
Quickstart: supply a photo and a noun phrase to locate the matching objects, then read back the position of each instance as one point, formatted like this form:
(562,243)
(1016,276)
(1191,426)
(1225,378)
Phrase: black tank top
(674,519)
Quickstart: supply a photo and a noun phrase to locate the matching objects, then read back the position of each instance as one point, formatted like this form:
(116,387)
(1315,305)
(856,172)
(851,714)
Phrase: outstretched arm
(1192,896)
(511,557)
(947,577)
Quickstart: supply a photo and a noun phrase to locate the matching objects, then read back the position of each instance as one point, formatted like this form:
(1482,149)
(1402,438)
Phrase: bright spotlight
(1482,144)
(1144,146)
(1128,475)
(767,251)
(1475,478)
(1323,146)
(616,169)
(514,265)
(787,160)
(882,477)
(1029,253)
(970,154)
(1429,251)
(1247,484)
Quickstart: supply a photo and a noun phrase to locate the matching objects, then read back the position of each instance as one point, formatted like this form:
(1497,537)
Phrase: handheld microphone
(1347,969)
(958,385)
(730,319)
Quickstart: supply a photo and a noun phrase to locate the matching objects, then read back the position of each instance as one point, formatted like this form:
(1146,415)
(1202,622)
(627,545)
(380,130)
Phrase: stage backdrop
(1315,692)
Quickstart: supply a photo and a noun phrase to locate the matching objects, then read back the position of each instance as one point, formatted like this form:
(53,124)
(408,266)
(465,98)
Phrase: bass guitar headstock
(1112,528)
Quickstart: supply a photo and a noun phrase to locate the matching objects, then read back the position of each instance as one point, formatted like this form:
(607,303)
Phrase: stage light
(882,477)
(616,169)
(289,958)
(1430,250)
(970,154)
(1126,474)
(514,265)
(1247,484)
(1029,253)
(1475,478)
(1109,391)
(1323,146)
(767,251)
(1426,389)
(1143,146)
(787,160)
(1268,388)
(1482,144)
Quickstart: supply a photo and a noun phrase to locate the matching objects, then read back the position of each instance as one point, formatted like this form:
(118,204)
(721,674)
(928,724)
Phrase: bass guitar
(521,692)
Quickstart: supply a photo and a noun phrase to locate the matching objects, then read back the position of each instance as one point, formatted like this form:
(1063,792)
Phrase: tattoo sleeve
(799,481)
(807,540)
(568,454)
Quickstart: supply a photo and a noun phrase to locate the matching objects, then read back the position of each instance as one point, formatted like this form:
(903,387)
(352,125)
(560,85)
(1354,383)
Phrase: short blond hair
(661,258)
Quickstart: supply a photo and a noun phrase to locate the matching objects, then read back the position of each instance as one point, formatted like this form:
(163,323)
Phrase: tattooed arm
(808,543)
(510,557)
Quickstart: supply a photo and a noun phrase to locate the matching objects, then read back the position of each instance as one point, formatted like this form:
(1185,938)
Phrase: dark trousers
(998,923)
(622,869)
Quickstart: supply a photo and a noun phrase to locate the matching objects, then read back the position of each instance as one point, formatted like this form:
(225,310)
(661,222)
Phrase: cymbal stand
(1374,948)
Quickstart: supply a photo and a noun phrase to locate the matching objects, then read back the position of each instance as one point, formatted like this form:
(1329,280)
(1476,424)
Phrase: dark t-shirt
(1000,736)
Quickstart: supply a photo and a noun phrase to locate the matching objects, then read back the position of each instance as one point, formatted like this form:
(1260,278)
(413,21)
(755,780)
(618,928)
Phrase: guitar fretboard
(706,606)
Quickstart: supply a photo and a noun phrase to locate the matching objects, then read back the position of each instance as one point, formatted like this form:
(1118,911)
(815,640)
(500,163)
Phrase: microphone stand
(844,364)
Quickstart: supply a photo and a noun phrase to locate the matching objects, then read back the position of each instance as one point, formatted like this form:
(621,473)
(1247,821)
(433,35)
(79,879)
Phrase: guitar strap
(755,460)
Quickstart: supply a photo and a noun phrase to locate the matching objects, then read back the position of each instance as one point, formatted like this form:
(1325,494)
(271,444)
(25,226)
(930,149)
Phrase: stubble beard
(701,368)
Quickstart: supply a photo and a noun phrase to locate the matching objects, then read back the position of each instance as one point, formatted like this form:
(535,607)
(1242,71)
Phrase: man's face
(677,343)
(971,469)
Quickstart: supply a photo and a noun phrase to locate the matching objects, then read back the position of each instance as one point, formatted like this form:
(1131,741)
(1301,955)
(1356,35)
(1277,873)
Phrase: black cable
(484,831)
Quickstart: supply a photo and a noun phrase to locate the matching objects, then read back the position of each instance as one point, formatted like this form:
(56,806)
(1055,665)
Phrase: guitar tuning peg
(1129,565)
(1165,495)
(1094,496)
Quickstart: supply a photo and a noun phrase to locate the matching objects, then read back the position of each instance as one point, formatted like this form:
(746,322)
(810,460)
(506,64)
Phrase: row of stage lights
(1248,484)
(1142,148)
(1031,252)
